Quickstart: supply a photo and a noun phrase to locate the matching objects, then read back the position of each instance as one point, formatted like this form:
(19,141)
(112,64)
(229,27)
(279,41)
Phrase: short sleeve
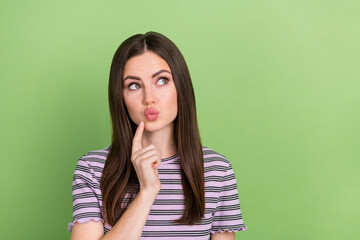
(85,201)
(227,215)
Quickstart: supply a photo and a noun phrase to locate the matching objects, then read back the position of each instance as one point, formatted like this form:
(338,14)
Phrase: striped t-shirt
(222,208)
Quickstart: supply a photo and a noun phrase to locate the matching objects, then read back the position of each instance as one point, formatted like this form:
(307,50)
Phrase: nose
(149,96)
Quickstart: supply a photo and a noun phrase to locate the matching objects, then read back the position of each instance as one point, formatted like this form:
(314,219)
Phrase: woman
(155,180)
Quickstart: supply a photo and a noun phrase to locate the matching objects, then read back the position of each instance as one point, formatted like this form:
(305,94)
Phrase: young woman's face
(149,91)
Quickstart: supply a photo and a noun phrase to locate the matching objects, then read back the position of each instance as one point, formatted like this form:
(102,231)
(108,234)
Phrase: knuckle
(133,157)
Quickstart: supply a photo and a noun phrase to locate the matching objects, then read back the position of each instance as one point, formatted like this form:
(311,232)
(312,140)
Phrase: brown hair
(119,177)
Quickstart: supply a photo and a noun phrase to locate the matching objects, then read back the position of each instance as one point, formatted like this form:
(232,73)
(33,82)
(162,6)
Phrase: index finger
(137,138)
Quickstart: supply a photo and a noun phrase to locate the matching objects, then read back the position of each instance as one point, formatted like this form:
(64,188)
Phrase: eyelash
(167,80)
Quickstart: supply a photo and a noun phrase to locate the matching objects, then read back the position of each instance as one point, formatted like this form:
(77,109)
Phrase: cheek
(126,102)
(174,101)
(129,103)
(132,110)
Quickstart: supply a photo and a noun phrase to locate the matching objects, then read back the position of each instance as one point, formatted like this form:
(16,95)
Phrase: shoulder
(214,159)
(93,161)
(95,156)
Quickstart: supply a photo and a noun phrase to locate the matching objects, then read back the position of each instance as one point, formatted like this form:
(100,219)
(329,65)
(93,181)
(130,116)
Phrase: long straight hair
(119,177)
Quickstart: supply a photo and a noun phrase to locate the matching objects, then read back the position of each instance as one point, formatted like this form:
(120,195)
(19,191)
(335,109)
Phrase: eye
(163,81)
(133,86)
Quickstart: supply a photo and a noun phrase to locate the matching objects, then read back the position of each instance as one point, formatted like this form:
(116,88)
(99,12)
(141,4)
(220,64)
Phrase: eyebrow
(155,74)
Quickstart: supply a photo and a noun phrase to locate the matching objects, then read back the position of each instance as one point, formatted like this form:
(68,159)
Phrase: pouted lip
(150,111)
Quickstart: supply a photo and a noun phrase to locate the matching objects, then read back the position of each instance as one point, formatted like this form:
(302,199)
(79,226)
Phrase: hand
(145,161)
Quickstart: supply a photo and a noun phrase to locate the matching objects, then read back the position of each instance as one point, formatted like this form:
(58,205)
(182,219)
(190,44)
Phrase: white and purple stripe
(222,208)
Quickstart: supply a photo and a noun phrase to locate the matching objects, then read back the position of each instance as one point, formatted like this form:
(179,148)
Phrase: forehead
(146,63)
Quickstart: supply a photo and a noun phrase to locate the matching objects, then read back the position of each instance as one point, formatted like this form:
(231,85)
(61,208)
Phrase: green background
(277,88)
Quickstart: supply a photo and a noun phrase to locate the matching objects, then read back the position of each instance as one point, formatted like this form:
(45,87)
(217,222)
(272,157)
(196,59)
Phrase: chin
(154,126)
(151,127)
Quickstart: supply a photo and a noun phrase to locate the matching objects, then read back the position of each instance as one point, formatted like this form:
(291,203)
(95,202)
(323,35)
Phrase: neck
(163,140)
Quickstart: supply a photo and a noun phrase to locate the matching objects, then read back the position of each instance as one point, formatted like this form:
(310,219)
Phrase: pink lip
(151,114)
